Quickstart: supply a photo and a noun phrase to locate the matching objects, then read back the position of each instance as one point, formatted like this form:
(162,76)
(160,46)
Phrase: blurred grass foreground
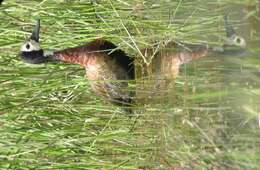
(51,119)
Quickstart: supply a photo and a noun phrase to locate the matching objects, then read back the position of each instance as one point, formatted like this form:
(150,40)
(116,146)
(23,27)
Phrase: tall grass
(50,118)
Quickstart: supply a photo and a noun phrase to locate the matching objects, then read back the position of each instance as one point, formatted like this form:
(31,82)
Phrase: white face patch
(240,41)
(30,45)
(236,40)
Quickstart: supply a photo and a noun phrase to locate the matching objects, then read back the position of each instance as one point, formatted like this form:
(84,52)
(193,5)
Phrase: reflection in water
(216,113)
(168,57)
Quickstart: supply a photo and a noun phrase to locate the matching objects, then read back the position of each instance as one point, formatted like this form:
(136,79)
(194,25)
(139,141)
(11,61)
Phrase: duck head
(30,51)
(232,38)
(234,44)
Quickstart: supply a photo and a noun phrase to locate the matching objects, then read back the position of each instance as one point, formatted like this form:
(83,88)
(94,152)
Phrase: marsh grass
(50,118)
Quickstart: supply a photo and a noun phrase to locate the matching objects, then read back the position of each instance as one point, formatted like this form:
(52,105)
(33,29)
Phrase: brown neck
(78,55)
(86,54)
(193,54)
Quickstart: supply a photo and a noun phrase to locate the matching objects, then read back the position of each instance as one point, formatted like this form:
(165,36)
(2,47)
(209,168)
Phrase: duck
(107,67)
(171,55)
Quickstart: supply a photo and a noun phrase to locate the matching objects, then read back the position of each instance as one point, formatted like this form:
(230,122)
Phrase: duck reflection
(168,59)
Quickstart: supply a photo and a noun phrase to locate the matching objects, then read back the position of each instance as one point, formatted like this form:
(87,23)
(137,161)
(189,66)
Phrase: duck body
(168,60)
(107,67)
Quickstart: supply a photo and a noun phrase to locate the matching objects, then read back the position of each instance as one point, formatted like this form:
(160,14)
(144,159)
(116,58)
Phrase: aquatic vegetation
(207,119)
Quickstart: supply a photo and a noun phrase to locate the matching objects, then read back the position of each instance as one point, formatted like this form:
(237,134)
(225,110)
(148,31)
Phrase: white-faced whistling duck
(172,55)
(107,67)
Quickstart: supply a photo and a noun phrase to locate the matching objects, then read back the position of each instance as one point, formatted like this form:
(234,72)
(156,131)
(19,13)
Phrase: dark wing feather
(120,56)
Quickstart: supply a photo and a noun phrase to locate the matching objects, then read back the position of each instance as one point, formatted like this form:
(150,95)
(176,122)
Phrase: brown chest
(104,68)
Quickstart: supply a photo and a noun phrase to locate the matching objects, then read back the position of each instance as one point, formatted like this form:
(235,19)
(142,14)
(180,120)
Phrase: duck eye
(27,46)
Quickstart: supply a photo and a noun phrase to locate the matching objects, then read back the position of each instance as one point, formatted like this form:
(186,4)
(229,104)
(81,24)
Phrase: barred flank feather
(107,68)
